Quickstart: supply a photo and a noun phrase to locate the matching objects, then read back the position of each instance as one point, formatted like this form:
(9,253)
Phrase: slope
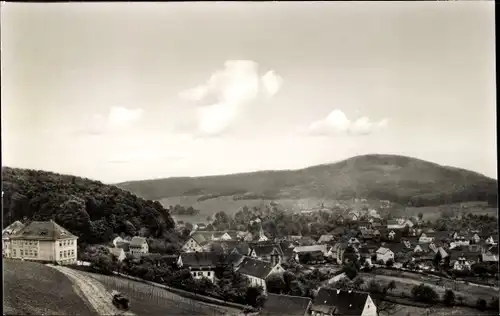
(35,289)
(400,179)
(89,209)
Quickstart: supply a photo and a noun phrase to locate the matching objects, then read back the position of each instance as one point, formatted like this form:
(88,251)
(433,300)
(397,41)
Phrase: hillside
(399,179)
(29,290)
(89,209)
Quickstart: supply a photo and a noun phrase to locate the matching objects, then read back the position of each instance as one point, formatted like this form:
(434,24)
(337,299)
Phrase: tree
(424,293)
(358,282)
(481,304)
(420,216)
(449,298)
(391,286)
(460,300)
(350,270)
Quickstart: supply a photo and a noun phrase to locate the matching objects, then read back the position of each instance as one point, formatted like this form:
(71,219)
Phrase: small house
(138,246)
(384,254)
(330,302)
(257,271)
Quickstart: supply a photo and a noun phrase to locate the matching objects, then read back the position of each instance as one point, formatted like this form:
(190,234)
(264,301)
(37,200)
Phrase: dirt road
(94,292)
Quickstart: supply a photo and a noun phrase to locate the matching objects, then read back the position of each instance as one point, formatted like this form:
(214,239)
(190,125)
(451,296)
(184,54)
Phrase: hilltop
(89,209)
(399,179)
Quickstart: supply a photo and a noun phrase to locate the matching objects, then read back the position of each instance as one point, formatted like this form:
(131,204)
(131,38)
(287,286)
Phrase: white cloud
(120,116)
(337,123)
(227,92)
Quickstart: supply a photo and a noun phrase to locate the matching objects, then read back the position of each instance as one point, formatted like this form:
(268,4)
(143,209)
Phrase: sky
(131,91)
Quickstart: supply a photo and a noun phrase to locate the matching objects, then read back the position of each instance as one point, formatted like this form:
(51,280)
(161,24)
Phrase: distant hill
(400,179)
(89,209)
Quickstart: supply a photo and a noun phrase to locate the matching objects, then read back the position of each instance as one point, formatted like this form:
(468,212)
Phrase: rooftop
(340,302)
(48,230)
(285,305)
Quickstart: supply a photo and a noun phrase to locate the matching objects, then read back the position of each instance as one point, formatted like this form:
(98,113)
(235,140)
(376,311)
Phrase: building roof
(231,245)
(13,228)
(285,305)
(48,230)
(116,251)
(340,302)
(266,249)
(326,238)
(489,257)
(202,238)
(255,267)
(383,250)
(124,244)
(200,259)
(322,248)
(138,241)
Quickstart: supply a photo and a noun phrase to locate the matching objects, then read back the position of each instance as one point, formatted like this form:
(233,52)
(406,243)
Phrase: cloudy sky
(132,91)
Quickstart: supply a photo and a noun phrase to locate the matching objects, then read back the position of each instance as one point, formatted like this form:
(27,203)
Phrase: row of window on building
(200,274)
(66,243)
(25,242)
(26,253)
(67,253)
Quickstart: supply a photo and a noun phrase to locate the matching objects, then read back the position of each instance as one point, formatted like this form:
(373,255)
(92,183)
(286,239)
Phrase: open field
(35,289)
(432,213)
(403,310)
(151,301)
(470,293)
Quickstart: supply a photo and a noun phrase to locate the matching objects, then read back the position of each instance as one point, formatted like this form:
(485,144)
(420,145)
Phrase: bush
(424,293)
(449,298)
(481,304)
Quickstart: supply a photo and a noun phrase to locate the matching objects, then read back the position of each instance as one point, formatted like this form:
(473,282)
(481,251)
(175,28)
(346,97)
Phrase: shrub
(424,293)
(481,304)
(449,298)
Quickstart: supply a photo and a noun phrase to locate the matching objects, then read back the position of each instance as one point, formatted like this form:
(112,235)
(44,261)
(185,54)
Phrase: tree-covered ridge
(89,209)
(399,179)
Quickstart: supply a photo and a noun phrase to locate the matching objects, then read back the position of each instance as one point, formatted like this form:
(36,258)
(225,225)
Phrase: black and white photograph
(239,158)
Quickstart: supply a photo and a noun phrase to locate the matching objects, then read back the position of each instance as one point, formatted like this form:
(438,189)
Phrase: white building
(45,242)
(9,230)
(384,254)
(138,246)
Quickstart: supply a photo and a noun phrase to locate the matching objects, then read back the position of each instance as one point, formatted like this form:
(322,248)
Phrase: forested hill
(400,179)
(89,209)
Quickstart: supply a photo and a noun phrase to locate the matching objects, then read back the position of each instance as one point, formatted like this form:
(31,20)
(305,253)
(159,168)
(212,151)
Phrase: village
(361,241)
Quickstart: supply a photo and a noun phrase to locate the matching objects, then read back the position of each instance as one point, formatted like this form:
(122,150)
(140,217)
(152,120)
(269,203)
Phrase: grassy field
(146,300)
(405,283)
(432,213)
(35,289)
(403,310)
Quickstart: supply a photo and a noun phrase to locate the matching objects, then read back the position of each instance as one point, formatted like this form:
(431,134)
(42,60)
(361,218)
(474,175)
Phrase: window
(35,254)
(60,244)
(60,254)
(208,273)
(72,252)
(21,252)
(14,252)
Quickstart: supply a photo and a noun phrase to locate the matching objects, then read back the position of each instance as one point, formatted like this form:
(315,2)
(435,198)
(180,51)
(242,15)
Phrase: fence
(160,297)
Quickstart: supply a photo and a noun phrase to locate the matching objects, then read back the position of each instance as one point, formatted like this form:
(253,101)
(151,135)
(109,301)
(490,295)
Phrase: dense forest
(399,179)
(89,209)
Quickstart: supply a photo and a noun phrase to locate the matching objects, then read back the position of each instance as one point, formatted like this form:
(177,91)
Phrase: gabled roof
(285,305)
(489,257)
(116,251)
(138,241)
(202,238)
(339,302)
(266,249)
(255,267)
(231,245)
(383,250)
(322,248)
(48,230)
(200,259)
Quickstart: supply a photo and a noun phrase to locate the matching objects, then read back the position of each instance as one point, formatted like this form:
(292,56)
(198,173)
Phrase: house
(362,225)
(44,241)
(314,248)
(384,254)
(197,242)
(340,220)
(396,223)
(425,238)
(118,253)
(492,240)
(199,226)
(123,244)
(200,264)
(257,271)
(285,305)
(257,237)
(341,302)
(337,252)
(6,232)
(489,257)
(138,246)
(365,254)
(267,252)
(353,241)
(369,234)
(230,246)
(421,248)
(353,215)
(475,238)
(337,278)
(325,239)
